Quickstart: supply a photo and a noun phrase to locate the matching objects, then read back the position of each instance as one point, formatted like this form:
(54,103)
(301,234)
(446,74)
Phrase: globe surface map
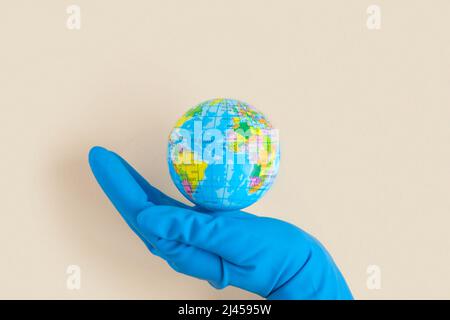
(223,154)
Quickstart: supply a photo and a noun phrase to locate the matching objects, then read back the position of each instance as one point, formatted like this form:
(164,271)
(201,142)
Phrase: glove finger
(231,214)
(192,261)
(227,237)
(154,195)
(120,187)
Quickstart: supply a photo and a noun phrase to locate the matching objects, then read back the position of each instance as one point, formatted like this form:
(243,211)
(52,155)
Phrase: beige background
(363,117)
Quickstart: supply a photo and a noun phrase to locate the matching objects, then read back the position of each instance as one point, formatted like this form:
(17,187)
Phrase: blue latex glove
(266,256)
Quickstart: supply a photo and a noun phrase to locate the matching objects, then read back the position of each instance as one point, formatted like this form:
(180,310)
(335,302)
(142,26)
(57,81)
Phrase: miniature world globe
(223,154)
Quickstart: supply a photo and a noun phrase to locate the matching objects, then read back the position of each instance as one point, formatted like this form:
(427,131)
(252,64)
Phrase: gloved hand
(265,256)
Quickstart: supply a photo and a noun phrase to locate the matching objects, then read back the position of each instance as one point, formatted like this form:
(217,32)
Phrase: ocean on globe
(223,154)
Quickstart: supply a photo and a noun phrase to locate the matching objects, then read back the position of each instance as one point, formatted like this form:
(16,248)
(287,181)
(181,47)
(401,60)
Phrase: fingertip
(156,217)
(96,154)
(159,220)
(145,218)
(96,150)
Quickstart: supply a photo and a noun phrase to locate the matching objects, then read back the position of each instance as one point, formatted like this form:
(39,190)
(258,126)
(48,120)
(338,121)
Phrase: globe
(223,154)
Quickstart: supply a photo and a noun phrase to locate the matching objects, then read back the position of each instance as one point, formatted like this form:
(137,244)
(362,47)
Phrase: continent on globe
(189,170)
(223,154)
